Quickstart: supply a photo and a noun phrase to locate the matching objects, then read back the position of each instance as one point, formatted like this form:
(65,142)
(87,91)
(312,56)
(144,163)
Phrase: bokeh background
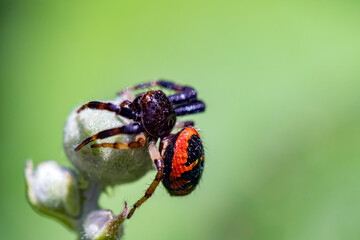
(281,80)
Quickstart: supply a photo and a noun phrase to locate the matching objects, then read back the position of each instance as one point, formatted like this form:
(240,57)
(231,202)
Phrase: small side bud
(53,190)
(102,224)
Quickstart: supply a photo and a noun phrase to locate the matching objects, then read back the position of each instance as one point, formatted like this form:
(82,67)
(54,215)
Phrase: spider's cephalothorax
(157,113)
(181,161)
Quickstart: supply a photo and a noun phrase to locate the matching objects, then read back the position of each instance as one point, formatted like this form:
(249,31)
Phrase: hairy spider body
(181,161)
(183,156)
(157,113)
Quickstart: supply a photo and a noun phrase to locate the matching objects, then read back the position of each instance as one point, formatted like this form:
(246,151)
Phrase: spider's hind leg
(158,83)
(190,108)
(184,93)
(184,124)
(159,163)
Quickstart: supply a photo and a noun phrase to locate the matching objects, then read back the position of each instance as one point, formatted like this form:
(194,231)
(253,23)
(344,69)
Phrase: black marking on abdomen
(194,150)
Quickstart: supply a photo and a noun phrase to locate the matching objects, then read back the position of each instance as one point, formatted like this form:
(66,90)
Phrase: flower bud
(106,166)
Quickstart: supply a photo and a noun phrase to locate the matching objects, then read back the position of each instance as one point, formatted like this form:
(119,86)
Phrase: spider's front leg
(134,128)
(158,161)
(125,109)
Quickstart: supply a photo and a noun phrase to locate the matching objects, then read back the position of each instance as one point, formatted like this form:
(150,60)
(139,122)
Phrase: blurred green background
(281,80)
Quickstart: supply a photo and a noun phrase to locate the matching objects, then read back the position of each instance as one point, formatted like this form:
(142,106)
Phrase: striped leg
(158,161)
(139,142)
(123,109)
(133,128)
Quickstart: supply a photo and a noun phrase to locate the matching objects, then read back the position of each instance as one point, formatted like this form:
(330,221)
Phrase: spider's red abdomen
(183,162)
